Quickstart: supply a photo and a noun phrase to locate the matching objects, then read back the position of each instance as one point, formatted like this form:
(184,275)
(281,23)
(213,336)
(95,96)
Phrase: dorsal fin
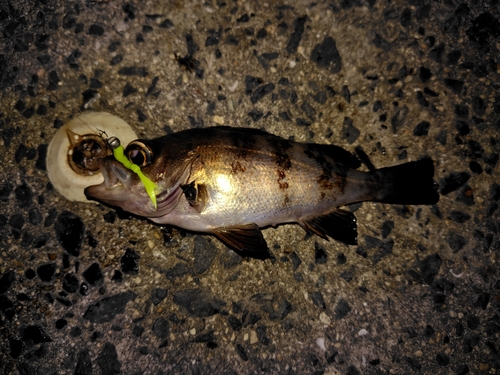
(338,154)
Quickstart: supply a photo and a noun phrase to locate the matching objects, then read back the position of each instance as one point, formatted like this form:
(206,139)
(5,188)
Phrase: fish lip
(115,177)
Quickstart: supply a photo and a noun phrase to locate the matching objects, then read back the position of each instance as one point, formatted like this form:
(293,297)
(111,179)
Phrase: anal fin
(337,224)
(247,237)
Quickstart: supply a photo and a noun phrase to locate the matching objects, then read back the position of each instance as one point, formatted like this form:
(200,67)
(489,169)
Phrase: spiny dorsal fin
(338,224)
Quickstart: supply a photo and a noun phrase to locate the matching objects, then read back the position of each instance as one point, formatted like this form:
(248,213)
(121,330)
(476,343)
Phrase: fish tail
(409,183)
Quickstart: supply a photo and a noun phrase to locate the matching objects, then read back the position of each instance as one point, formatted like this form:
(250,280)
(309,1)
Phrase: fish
(232,182)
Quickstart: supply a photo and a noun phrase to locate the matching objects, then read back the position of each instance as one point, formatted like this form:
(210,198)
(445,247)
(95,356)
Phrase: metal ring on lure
(119,154)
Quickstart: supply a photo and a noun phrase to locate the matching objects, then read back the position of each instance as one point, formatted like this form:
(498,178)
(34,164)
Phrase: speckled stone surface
(85,289)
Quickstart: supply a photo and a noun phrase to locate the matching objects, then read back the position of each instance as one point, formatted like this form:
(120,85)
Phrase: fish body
(232,181)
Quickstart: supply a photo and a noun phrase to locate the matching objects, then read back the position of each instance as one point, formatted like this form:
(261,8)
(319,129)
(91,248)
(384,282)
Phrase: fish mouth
(122,188)
(116,179)
(114,174)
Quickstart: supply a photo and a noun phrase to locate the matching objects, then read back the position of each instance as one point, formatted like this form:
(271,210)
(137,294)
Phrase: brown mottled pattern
(279,147)
(281,177)
(328,170)
(236,167)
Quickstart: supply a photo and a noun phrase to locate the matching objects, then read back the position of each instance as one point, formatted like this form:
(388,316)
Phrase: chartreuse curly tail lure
(119,155)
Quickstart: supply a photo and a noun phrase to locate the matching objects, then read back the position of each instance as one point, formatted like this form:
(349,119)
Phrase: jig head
(119,154)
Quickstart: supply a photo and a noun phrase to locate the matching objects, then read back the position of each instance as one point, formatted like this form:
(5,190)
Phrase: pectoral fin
(338,224)
(246,237)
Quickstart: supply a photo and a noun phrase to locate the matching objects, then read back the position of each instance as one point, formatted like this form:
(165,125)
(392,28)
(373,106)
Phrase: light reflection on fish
(231,182)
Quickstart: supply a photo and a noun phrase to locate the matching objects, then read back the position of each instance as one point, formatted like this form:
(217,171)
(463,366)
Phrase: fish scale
(280,194)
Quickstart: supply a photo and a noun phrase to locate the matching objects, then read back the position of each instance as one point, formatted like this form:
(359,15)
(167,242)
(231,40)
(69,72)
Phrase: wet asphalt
(87,289)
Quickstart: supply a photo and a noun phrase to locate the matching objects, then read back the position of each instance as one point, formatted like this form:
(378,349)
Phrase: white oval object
(320,341)
(362,332)
(66,181)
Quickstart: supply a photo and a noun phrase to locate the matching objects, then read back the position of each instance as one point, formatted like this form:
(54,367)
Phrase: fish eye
(139,153)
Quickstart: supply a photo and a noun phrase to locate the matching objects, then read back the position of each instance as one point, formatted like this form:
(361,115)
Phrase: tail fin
(409,183)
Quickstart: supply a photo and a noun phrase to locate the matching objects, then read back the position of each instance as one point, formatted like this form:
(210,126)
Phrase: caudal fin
(409,183)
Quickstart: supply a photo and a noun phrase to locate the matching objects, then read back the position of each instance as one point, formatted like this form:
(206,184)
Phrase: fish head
(123,188)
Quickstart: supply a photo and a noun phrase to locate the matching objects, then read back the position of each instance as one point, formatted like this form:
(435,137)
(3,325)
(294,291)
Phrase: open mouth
(116,177)
(114,174)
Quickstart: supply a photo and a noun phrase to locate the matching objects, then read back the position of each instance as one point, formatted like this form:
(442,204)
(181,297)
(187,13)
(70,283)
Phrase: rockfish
(231,182)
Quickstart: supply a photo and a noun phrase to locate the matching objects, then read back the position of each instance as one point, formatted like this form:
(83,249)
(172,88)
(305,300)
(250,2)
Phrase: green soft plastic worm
(119,155)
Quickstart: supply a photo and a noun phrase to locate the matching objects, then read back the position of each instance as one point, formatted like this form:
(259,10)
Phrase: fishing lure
(119,154)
